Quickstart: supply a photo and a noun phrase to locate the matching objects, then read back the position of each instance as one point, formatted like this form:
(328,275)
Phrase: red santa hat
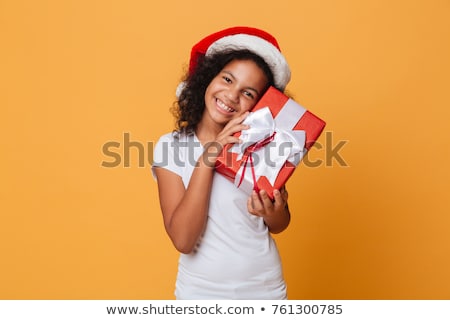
(241,38)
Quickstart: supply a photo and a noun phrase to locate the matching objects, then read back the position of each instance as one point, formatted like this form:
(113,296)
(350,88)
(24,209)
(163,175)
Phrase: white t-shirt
(236,257)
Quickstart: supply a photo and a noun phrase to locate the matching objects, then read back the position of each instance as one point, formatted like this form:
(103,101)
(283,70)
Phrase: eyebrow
(248,88)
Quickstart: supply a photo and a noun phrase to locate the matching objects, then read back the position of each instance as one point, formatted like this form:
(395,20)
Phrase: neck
(207,132)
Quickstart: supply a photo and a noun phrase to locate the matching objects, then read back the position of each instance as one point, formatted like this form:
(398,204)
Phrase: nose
(233,95)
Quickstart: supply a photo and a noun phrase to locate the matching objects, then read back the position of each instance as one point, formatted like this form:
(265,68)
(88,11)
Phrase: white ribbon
(285,145)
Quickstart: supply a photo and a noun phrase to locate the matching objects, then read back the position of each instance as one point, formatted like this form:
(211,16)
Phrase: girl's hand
(275,213)
(226,136)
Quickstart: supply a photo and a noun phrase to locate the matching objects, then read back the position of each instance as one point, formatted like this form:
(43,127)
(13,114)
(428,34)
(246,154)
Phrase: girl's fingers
(259,203)
(279,198)
(256,202)
(236,123)
(284,193)
(242,117)
(265,200)
(250,205)
(226,136)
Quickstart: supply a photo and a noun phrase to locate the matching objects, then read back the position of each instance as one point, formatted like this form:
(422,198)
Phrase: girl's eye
(228,80)
(249,94)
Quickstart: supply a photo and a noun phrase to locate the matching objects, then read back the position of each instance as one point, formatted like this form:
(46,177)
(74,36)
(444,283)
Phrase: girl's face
(235,90)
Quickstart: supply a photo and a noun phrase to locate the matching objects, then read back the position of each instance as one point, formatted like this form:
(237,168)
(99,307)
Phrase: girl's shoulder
(167,137)
(176,137)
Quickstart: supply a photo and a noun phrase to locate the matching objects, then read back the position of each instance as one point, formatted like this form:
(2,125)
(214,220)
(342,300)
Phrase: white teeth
(224,106)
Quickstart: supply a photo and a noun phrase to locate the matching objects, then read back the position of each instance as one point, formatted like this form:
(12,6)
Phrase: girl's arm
(185,210)
(276,214)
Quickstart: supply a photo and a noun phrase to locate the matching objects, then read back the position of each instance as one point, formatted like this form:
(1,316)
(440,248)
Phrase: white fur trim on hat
(271,54)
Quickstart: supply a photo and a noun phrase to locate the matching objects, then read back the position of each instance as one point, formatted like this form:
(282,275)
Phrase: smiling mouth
(224,107)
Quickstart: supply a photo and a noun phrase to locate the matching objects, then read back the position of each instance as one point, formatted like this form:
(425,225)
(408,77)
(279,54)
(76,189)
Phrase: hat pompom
(180,88)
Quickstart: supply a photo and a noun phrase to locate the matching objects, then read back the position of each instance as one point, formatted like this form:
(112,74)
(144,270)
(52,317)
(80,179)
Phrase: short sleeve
(164,155)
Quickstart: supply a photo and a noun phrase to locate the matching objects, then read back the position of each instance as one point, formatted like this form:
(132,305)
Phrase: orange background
(75,75)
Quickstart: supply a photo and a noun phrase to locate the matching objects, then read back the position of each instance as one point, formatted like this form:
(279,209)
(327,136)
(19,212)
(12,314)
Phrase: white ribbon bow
(280,143)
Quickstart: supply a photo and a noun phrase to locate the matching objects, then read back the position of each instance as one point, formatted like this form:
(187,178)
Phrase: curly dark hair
(188,110)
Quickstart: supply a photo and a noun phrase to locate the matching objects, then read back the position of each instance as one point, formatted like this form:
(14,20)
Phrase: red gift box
(281,132)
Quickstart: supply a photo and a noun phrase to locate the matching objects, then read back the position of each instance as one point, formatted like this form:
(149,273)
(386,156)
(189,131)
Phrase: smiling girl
(222,234)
